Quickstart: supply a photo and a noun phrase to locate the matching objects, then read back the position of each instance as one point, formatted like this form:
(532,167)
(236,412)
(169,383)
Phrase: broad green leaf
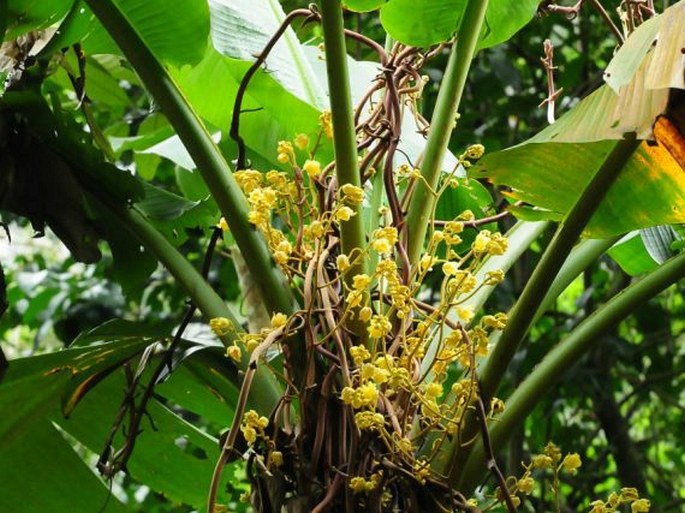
(241,30)
(41,472)
(26,15)
(363,5)
(172,214)
(630,253)
(32,387)
(271,113)
(176,459)
(505,18)
(176,36)
(162,205)
(649,191)
(201,384)
(173,457)
(422,22)
(429,22)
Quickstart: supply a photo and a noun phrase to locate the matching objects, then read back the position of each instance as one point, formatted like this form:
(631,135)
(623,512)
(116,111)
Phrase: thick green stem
(344,137)
(564,355)
(442,124)
(209,160)
(524,311)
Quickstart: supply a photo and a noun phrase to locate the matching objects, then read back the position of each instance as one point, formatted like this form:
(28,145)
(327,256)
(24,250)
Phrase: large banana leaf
(428,22)
(551,169)
(172,456)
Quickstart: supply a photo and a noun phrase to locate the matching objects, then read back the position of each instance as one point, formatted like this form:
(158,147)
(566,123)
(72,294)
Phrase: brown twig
(234,131)
(552,92)
(489,453)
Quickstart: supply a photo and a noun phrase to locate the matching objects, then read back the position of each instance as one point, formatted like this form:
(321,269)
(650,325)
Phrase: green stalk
(524,311)
(563,356)
(267,389)
(344,137)
(442,124)
(208,158)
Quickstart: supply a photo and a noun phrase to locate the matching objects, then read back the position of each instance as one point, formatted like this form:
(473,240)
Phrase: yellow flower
(278,319)
(369,420)
(382,246)
(359,354)
(598,507)
(496,405)
(480,244)
(342,262)
(630,494)
(494,277)
(316,229)
(497,321)
(250,434)
(433,390)
(361,281)
(344,214)
(541,461)
(369,394)
(379,326)
(248,179)
(427,262)
(352,194)
(302,141)
(465,313)
(326,122)
(221,326)
(234,353)
(449,268)
(571,463)
(276,458)
(640,506)
(312,168)
(525,485)
(222,224)
(365,314)
(475,151)
(553,451)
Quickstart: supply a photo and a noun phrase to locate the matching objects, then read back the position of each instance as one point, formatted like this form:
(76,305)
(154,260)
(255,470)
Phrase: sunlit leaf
(429,22)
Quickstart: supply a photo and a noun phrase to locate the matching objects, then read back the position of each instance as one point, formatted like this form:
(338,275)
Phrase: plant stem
(524,311)
(208,158)
(564,355)
(442,124)
(344,137)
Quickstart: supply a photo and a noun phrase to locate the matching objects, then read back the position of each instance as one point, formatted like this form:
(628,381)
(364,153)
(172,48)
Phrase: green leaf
(422,22)
(274,114)
(201,385)
(630,253)
(429,22)
(649,191)
(363,5)
(173,457)
(162,205)
(26,15)
(41,472)
(176,36)
(241,30)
